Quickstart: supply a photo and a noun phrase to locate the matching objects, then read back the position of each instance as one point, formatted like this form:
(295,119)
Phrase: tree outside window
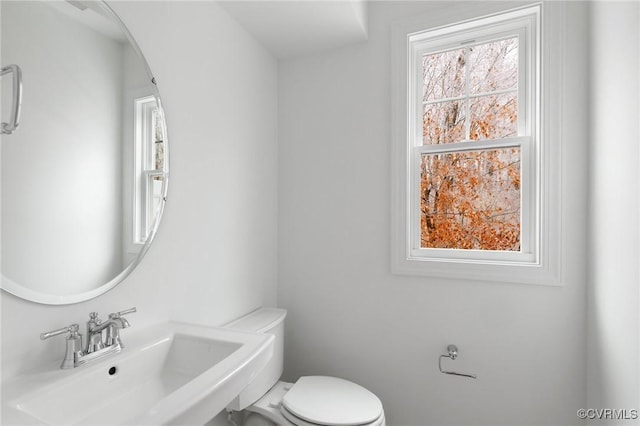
(471,199)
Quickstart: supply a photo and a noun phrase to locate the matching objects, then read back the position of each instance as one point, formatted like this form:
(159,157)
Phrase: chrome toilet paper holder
(453,354)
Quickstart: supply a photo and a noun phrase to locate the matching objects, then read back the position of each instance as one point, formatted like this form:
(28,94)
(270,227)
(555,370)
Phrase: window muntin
(473,90)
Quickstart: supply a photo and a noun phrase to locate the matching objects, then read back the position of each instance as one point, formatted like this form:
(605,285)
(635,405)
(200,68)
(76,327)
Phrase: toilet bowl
(310,401)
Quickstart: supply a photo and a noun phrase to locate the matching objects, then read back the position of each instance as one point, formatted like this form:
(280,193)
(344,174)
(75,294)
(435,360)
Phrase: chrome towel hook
(14,121)
(453,354)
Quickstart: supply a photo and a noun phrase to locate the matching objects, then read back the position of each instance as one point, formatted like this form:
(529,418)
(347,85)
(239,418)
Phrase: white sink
(171,373)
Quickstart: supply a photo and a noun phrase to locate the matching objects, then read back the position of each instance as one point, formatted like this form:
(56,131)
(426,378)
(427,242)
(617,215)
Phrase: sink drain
(113,370)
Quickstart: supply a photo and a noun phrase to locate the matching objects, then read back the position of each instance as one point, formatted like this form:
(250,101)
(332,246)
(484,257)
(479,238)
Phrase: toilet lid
(332,401)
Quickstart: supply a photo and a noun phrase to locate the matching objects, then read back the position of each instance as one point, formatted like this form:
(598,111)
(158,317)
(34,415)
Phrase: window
(468,149)
(149,166)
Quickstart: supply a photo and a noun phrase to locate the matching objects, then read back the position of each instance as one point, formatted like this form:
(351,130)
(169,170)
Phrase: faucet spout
(110,323)
(123,322)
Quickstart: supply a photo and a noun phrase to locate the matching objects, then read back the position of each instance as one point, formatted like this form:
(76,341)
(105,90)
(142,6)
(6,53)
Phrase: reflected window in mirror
(149,166)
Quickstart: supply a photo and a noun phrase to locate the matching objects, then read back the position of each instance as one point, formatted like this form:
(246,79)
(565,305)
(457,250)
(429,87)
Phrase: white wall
(53,216)
(350,317)
(614,330)
(214,258)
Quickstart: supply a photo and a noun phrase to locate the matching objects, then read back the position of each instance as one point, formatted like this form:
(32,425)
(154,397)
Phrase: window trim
(542,264)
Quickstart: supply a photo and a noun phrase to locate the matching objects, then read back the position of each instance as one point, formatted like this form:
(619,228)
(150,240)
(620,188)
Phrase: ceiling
(298,27)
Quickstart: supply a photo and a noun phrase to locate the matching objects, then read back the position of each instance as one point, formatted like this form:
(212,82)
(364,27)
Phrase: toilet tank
(262,320)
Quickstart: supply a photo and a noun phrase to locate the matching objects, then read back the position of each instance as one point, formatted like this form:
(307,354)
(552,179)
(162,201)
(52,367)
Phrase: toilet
(310,401)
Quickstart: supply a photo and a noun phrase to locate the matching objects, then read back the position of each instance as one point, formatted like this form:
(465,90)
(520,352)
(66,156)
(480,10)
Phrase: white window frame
(144,214)
(538,261)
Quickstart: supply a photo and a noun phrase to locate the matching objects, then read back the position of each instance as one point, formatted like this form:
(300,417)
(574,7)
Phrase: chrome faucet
(97,346)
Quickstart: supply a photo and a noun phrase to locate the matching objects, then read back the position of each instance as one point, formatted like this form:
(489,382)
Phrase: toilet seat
(331,401)
(292,420)
(320,400)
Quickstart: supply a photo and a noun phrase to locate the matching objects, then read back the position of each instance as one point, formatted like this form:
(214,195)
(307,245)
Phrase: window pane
(494,116)
(443,122)
(471,200)
(443,75)
(158,143)
(156,195)
(152,203)
(493,66)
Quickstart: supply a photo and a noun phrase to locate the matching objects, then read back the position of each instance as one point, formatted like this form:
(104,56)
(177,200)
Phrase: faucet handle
(113,332)
(72,329)
(74,344)
(94,320)
(121,313)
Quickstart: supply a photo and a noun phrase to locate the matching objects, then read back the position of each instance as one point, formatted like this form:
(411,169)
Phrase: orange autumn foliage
(470,199)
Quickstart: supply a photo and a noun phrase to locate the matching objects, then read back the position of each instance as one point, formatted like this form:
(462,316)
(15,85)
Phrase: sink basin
(171,373)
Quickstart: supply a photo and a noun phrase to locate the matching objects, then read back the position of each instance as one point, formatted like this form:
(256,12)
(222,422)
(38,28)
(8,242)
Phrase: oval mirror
(85,172)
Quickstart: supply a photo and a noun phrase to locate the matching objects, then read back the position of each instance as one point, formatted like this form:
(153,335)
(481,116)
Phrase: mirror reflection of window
(149,166)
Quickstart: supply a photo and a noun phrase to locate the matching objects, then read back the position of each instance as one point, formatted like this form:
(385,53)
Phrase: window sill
(540,273)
